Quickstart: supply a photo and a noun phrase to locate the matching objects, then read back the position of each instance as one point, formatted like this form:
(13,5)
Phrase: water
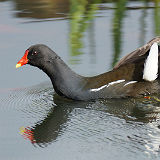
(35,123)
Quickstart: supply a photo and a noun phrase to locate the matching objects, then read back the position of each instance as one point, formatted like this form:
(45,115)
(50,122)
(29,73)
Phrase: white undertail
(150,71)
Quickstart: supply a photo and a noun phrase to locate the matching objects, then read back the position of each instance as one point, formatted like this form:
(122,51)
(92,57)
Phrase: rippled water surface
(35,123)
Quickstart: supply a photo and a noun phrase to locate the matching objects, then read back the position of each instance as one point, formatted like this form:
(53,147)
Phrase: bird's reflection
(47,131)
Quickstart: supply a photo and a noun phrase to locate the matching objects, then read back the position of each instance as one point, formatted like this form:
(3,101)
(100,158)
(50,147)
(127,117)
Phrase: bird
(135,75)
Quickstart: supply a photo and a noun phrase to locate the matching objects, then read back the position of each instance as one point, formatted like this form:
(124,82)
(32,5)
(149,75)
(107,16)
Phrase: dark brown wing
(137,53)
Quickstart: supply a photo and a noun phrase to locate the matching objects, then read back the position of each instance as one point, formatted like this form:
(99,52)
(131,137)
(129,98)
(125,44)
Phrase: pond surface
(90,36)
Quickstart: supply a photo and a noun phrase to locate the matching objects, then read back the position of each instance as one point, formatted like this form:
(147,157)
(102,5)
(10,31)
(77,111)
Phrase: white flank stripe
(107,85)
(131,82)
(114,82)
(150,72)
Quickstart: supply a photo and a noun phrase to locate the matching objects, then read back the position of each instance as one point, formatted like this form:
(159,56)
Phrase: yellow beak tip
(18,65)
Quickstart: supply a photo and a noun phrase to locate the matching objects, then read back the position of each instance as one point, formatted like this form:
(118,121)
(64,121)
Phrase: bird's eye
(34,53)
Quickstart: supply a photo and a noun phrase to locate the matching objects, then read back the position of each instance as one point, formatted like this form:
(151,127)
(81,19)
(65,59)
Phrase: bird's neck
(65,81)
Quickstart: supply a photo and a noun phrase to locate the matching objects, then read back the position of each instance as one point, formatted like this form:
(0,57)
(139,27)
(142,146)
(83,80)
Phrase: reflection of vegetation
(157,17)
(82,18)
(143,24)
(41,9)
(117,26)
(81,14)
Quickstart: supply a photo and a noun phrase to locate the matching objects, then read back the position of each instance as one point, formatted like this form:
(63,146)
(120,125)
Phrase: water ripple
(34,102)
(127,125)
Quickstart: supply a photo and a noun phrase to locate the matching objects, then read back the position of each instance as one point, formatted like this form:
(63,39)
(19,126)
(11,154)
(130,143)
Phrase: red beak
(23,60)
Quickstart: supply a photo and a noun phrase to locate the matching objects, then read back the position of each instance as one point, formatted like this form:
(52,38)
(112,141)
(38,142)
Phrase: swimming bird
(135,75)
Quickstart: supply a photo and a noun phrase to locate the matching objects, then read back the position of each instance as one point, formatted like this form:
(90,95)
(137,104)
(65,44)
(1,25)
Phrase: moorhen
(134,75)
